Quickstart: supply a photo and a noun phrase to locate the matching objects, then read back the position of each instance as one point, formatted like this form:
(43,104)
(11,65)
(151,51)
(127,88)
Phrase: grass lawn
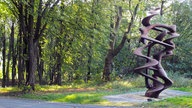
(83,94)
(175,102)
(87,94)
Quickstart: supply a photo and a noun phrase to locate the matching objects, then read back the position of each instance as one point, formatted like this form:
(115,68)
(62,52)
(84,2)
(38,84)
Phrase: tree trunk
(31,49)
(20,62)
(107,67)
(4,59)
(12,41)
(110,55)
(58,78)
(88,75)
(40,64)
(20,45)
(31,71)
(40,72)
(11,48)
(9,54)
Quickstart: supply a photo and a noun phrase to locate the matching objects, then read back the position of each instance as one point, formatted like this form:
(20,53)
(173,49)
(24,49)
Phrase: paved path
(138,97)
(10,102)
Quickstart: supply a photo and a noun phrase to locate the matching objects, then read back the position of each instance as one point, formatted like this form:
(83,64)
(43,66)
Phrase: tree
(112,52)
(181,16)
(55,41)
(6,29)
(4,56)
(30,15)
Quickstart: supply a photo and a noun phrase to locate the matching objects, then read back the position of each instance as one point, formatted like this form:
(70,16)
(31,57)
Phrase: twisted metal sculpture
(153,61)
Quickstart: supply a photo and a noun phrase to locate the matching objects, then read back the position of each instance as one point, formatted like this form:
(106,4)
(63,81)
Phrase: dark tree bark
(88,75)
(58,68)
(13,54)
(31,67)
(55,67)
(40,64)
(4,59)
(112,52)
(20,43)
(20,60)
(9,54)
(31,29)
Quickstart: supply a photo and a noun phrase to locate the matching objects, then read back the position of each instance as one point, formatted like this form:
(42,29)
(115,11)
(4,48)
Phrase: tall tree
(30,16)
(181,16)
(115,25)
(4,56)
(13,54)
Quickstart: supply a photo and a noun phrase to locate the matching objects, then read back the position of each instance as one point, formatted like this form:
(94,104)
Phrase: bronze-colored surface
(154,60)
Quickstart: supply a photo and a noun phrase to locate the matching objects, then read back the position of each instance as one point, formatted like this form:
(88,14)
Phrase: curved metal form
(153,61)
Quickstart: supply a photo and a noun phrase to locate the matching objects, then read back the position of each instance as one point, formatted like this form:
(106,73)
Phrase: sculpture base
(152,93)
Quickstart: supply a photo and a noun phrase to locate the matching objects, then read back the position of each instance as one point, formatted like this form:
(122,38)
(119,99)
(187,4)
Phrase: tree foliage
(64,41)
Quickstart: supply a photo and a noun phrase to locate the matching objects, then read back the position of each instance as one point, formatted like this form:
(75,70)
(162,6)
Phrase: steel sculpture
(153,61)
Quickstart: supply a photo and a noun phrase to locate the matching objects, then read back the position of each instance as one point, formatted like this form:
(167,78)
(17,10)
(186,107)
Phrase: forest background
(58,42)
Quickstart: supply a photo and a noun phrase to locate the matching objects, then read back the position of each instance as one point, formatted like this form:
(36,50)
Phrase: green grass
(185,89)
(76,93)
(9,89)
(82,97)
(91,93)
(176,102)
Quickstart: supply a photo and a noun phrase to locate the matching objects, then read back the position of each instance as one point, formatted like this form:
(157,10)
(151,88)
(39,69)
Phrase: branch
(43,28)
(118,19)
(38,24)
(115,27)
(12,7)
(55,4)
(118,49)
(162,5)
(48,4)
(46,7)
(39,30)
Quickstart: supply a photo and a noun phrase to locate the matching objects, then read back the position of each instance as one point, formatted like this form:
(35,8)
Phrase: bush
(179,80)
(122,85)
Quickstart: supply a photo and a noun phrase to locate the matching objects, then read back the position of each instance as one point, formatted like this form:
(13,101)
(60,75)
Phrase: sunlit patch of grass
(82,98)
(46,88)
(118,85)
(66,88)
(107,103)
(9,89)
